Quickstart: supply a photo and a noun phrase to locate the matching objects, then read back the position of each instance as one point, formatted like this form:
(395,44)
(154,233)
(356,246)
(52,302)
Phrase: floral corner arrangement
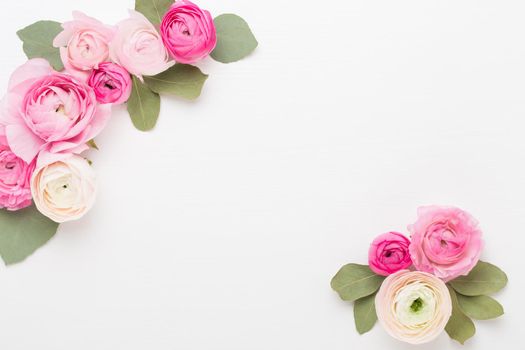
(419,287)
(61,99)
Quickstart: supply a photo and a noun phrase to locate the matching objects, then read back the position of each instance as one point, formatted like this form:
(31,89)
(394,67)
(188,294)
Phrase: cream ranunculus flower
(413,307)
(64,189)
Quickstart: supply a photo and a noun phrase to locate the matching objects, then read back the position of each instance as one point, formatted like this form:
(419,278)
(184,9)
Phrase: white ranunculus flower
(64,190)
(413,307)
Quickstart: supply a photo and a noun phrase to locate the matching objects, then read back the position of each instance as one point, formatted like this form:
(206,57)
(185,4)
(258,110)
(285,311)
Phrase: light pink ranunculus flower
(188,32)
(15,174)
(389,253)
(84,43)
(413,307)
(446,242)
(63,186)
(111,83)
(138,47)
(49,111)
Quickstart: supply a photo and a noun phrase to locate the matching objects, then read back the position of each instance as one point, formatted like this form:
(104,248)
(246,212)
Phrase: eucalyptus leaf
(181,80)
(153,10)
(143,106)
(22,232)
(484,279)
(38,42)
(459,327)
(365,313)
(235,39)
(355,281)
(480,307)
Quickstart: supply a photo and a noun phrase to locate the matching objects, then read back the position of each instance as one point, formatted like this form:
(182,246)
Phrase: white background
(222,228)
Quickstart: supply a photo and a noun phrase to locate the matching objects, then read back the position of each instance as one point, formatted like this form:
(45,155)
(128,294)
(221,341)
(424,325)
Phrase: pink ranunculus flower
(84,43)
(188,32)
(389,253)
(446,242)
(49,111)
(111,83)
(15,176)
(138,47)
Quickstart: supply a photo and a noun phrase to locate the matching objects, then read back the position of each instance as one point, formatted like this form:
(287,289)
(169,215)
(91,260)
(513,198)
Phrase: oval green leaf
(181,80)
(355,281)
(235,40)
(480,307)
(365,313)
(484,279)
(38,42)
(143,106)
(153,10)
(459,327)
(22,232)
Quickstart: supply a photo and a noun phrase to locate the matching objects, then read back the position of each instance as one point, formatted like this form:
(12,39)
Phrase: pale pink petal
(93,23)
(46,157)
(32,69)
(70,147)
(23,142)
(99,122)
(62,39)
(10,109)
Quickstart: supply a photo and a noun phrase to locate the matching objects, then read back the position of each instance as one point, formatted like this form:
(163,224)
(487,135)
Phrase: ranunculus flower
(389,253)
(49,111)
(446,242)
(413,307)
(84,43)
(188,32)
(138,47)
(63,186)
(15,192)
(111,83)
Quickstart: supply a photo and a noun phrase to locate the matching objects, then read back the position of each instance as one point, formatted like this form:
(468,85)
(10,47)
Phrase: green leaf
(459,327)
(153,10)
(235,40)
(484,279)
(480,307)
(355,281)
(182,80)
(22,232)
(91,143)
(143,106)
(38,42)
(365,313)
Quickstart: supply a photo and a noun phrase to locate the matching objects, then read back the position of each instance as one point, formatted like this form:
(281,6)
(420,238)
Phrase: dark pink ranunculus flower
(15,176)
(188,32)
(389,253)
(111,83)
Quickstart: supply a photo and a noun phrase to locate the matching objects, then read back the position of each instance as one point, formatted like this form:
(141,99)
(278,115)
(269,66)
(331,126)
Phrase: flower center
(388,254)
(60,109)
(10,165)
(416,305)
